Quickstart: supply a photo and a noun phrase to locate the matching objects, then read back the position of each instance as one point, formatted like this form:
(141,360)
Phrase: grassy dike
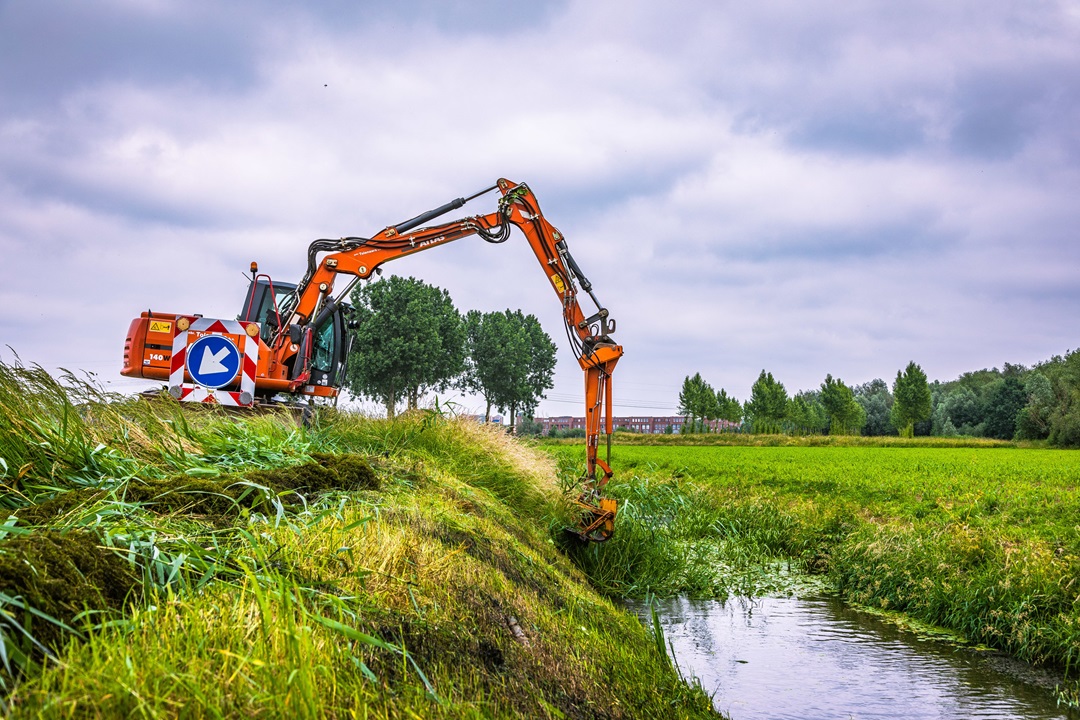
(982,540)
(163,562)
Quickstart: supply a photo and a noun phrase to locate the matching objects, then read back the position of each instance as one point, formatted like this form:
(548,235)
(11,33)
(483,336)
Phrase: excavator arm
(589,335)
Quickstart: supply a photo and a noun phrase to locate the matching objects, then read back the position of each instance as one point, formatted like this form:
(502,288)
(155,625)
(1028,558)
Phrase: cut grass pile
(983,541)
(164,561)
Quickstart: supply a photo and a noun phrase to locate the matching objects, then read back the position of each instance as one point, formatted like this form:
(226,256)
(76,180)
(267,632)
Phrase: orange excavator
(294,338)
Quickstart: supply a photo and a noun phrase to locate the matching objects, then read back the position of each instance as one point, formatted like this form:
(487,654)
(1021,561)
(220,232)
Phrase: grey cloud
(911,237)
(455,16)
(1000,110)
(884,131)
(51,48)
(887,78)
(43,180)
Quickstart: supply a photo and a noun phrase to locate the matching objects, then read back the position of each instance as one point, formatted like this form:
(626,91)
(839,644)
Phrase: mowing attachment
(598,519)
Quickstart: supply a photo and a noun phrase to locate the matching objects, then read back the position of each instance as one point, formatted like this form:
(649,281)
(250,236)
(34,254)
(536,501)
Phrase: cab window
(263,306)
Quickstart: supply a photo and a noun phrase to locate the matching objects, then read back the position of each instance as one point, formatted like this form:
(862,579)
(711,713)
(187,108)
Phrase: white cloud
(773,186)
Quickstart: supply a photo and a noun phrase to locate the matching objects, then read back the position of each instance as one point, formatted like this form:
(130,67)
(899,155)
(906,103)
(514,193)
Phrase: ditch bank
(359,567)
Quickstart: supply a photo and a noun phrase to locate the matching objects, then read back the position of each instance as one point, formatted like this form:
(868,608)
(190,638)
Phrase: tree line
(408,339)
(700,405)
(1014,403)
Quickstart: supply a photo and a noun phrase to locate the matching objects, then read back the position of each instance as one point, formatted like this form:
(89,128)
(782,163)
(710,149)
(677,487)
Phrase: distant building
(634,423)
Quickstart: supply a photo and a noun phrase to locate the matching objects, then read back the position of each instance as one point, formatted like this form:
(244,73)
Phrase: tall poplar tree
(768,405)
(846,415)
(807,413)
(511,361)
(698,402)
(730,409)
(911,399)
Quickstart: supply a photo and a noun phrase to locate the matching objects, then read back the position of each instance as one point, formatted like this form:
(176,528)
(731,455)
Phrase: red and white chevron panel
(249,363)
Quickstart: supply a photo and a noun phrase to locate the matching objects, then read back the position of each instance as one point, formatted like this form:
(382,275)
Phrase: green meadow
(982,540)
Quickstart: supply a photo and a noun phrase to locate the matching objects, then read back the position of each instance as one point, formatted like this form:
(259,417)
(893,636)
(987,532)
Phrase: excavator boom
(282,359)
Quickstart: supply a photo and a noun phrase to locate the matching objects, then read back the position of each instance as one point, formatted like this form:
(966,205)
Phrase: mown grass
(164,561)
(985,542)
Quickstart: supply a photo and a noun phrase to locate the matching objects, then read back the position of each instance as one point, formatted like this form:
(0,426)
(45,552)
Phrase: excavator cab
(269,303)
(264,305)
(330,348)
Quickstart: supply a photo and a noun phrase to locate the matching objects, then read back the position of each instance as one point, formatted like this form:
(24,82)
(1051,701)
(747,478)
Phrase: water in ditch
(810,658)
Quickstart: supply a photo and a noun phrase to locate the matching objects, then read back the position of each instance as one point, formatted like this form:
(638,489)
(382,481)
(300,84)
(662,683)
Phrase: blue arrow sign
(213,361)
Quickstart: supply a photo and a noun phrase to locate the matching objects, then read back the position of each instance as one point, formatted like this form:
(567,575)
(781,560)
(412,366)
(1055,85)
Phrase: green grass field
(982,540)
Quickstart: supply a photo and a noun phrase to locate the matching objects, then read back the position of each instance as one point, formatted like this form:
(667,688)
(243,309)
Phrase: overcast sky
(802,187)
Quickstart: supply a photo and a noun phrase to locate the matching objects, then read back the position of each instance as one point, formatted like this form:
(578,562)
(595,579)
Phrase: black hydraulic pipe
(585,284)
(441,210)
(328,309)
(429,215)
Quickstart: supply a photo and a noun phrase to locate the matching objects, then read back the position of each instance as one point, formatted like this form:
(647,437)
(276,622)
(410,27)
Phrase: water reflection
(814,658)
